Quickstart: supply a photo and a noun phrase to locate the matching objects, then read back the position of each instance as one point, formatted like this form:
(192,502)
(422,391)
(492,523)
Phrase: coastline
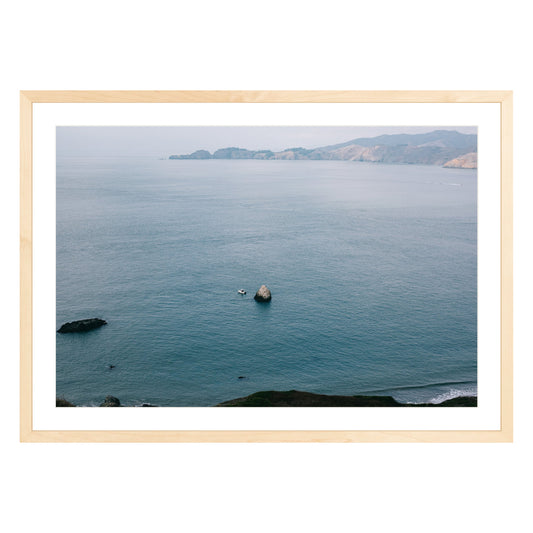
(294,398)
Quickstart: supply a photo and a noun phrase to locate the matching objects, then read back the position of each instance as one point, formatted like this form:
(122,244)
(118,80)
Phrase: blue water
(372,270)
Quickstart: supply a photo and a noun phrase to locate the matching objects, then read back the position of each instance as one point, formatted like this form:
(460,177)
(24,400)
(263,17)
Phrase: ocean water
(372,269)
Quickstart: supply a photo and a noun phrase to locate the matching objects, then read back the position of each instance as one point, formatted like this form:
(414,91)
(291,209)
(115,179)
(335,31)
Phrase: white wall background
(270,45)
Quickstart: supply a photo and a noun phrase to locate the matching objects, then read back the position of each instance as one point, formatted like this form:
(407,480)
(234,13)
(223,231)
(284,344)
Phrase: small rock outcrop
(263,294)
(61,402)
(79,326)
(110,401)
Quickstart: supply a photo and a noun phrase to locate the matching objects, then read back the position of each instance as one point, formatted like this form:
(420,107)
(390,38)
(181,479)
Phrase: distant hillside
(444,138)
(440,147)
(464,161)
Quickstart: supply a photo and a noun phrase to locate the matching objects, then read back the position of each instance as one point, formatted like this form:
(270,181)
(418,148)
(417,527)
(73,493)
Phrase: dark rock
(110,401)
(263,294)
(61,402)
(148,405)
(80,326)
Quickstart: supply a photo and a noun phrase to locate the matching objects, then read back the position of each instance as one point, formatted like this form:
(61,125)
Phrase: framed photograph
(266,266)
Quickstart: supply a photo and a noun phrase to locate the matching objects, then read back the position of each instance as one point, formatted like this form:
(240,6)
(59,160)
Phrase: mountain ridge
(447,148)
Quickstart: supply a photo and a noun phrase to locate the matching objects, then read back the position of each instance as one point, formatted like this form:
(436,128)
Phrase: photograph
(266,266)
(289,243)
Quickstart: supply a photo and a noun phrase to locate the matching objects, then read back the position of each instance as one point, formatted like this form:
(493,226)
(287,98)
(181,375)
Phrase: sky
(163,141)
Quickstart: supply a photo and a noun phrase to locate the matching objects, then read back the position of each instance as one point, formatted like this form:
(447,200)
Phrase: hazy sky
(162,141)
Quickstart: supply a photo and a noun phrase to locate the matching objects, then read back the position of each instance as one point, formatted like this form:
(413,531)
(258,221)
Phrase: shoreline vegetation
(294,398)
(449,149)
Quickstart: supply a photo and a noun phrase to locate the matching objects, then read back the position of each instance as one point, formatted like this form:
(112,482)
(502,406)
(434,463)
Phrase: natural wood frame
(504,98)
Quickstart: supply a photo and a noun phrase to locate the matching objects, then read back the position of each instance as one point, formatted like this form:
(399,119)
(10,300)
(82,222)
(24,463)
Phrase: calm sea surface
(372,270)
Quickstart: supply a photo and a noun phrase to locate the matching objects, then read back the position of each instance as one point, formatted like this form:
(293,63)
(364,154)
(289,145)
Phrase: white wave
(454,393)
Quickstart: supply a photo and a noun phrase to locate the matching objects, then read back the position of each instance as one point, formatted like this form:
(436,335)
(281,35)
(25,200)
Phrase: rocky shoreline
(294,398)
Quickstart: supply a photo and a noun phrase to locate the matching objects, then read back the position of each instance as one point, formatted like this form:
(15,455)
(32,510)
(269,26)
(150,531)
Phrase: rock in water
(79,326)
(110,401)
(263,294)
(61,402)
